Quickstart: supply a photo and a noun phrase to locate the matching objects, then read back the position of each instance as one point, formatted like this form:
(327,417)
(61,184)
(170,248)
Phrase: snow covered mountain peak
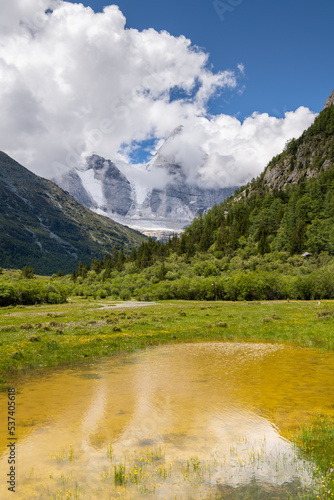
(163,197)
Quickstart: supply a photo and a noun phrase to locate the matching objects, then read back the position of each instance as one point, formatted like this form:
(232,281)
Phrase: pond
(196,420)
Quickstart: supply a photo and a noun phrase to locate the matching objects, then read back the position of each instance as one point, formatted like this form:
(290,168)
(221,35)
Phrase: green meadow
(56,334)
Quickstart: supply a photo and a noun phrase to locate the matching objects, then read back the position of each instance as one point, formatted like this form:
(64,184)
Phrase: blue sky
(286,46)
(242,77)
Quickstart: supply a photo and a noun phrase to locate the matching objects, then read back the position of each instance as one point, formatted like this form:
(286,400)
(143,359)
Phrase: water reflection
(216,415)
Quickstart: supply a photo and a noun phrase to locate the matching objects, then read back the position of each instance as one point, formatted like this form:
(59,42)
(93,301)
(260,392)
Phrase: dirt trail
(127,303)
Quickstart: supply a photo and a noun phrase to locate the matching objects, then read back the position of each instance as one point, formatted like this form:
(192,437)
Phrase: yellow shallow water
(185,421)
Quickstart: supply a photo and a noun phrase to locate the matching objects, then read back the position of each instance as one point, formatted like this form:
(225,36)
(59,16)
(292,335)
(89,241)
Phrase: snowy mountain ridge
(159,199)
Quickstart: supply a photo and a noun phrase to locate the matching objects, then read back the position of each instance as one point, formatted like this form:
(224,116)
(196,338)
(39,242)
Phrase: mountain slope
(45,227)
(289,207)
(307,156)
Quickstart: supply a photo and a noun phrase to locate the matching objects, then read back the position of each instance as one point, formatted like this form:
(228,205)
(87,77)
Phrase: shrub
(7,328)
(222,324)
(35,338)
(17,355)
(125,294)
(26,326)
(7,294)
(325,313)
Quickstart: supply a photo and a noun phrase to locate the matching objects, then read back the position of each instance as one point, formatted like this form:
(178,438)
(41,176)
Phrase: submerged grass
(316,443)
(152,475)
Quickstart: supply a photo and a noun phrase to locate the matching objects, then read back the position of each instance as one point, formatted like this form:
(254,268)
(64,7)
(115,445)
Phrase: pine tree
(297,238)
(27,272)
(121,260)
(80,269)
(85,270)
(162,271)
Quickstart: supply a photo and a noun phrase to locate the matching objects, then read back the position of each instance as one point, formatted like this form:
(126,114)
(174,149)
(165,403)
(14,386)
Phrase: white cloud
(225,152)
(241,68)
(73,82)
(237,151)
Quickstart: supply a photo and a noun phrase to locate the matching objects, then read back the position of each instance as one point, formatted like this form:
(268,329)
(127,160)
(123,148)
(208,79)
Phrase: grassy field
(49,335)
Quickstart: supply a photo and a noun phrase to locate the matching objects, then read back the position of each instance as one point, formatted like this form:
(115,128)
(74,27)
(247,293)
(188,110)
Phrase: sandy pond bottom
(197,420)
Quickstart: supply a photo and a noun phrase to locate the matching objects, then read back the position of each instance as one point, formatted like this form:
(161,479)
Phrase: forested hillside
(41,225)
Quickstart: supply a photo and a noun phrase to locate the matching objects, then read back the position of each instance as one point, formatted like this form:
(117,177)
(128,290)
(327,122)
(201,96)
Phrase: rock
(330,101)
(71,183)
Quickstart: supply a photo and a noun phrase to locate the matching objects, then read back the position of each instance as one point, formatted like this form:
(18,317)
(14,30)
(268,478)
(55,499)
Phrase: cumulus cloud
(74,82)
(226,152)
(237,151)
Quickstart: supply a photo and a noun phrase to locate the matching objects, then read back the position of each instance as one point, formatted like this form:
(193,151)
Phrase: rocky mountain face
(179,201)
(307,156)
(330,101)
(43,226)
(102,187)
